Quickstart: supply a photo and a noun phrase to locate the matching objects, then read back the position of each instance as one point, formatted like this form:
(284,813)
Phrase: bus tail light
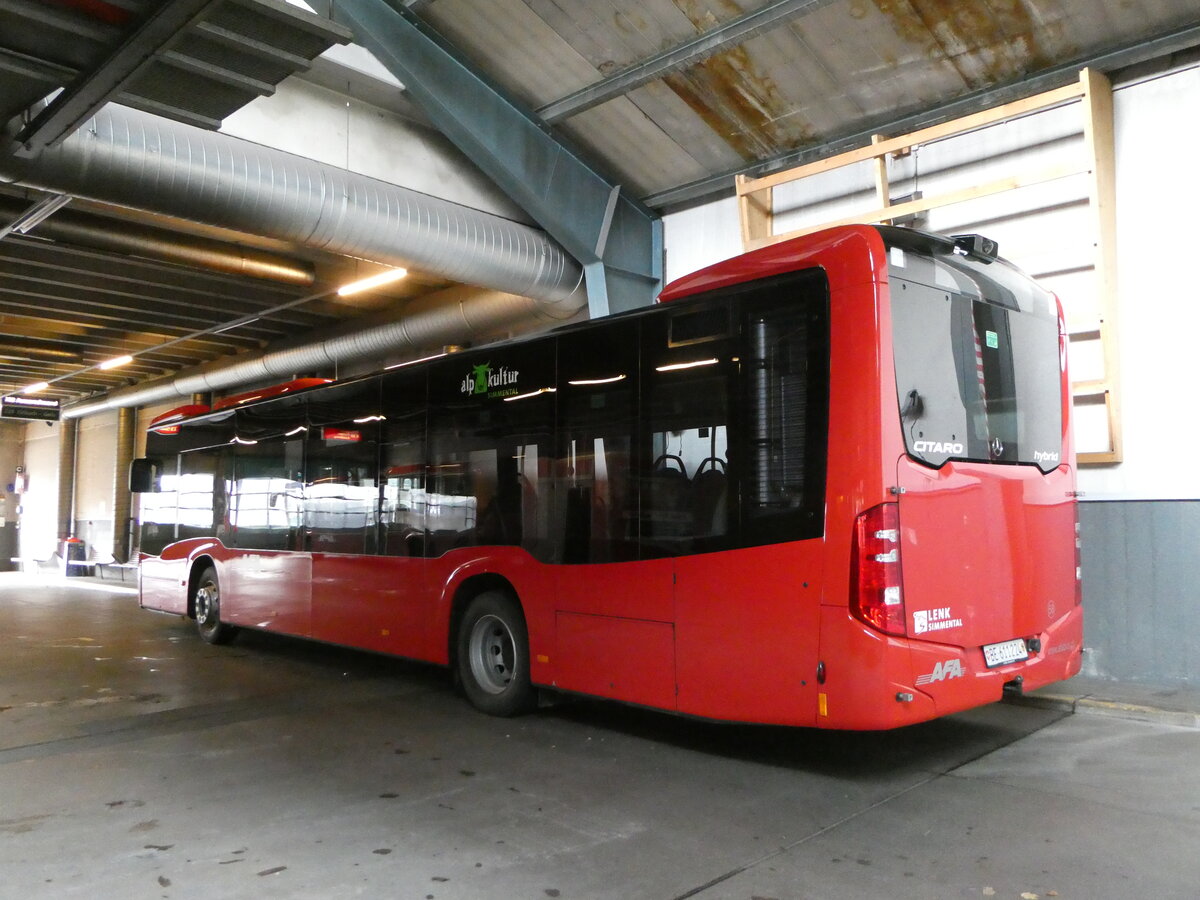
(878,599)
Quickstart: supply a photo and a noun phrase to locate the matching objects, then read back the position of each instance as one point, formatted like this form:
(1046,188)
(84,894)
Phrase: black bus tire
(493,655)
(206,605)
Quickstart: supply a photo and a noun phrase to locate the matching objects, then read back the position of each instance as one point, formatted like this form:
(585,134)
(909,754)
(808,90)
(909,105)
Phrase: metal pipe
(424,325)
(130,158)
(102,233)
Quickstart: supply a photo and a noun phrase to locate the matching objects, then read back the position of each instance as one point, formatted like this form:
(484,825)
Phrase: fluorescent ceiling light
(413,362)
(116,362)
(675,367)
(366,284)
(35,388)
(585,381)
(536,393)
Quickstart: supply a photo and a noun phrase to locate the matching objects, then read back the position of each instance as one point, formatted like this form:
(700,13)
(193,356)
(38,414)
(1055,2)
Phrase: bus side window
(403,469)
(785,401)
(341,469)
(341,497)
(201,493)
(685,417)
(264,511)
(490,426)
(159,510)
(596,508)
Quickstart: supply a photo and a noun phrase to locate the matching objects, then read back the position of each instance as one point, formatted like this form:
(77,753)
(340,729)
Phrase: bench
(106,565)
(32,566)
(102,568)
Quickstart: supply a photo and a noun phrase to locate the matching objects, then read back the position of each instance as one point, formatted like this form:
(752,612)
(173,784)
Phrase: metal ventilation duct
(426,324)
(130,158)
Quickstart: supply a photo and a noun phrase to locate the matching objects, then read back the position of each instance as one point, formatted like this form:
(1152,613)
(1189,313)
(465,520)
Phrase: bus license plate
(1007,652)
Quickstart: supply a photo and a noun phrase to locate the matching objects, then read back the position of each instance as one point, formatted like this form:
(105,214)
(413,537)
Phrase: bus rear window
(977,361)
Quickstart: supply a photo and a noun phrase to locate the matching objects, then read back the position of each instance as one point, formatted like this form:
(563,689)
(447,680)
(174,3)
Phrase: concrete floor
(136,761)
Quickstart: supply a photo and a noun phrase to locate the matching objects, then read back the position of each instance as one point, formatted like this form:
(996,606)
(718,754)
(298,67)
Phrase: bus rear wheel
(206,603)
(493,655)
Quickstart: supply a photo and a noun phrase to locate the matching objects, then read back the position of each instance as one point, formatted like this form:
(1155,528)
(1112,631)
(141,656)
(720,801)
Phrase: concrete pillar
(123,500)
(67,437)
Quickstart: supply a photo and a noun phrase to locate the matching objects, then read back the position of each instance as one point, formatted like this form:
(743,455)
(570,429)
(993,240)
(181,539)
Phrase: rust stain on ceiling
(742,106)
(987,43)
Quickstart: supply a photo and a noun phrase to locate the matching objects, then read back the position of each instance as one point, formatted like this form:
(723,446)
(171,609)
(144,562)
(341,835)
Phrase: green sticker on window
(993,339)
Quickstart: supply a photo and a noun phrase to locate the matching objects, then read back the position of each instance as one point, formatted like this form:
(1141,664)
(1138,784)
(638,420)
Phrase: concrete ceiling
(675,96)
(669,97)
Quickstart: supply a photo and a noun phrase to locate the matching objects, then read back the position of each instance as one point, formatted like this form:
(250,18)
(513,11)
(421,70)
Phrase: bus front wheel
(493,655)
(206,603)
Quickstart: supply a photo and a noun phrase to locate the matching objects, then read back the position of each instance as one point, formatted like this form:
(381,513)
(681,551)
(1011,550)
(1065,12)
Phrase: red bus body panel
(377,603)
(747,632)
(763,634)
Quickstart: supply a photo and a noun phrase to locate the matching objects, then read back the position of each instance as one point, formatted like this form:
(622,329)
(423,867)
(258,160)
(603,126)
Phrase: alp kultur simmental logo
(486,381)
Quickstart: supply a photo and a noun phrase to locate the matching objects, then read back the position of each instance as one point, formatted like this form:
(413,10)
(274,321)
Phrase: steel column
(580,208)
(67,438)
(122,498)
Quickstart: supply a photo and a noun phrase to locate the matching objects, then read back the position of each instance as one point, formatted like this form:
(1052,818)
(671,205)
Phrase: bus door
(267,576)
(364,580)
(614,598)
(986,508)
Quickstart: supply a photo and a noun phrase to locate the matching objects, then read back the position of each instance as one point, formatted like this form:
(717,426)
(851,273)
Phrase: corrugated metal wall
(1141,594)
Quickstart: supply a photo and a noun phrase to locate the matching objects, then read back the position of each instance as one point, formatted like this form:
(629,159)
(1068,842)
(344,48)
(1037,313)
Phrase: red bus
(828,483)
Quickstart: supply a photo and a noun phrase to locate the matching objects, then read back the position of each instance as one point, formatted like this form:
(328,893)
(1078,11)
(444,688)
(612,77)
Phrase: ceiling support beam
(616,239)
(92,89)
(721,185)
(709,43)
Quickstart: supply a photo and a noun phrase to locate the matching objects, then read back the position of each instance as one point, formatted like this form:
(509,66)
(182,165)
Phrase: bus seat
(710,486)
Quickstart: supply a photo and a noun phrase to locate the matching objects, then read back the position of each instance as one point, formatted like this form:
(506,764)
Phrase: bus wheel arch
(198,565)
(489,647)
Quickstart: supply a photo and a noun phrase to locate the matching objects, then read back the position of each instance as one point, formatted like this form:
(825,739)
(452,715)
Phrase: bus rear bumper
(958,678)
(903,681)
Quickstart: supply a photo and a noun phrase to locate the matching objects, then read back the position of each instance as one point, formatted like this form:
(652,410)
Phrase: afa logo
(951,668)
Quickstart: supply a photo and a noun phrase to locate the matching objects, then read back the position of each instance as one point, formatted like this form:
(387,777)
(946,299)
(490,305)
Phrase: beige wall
(39,504)
(96,452)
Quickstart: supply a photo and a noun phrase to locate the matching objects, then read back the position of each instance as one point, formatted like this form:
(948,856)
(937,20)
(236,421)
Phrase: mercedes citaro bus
(827,483)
